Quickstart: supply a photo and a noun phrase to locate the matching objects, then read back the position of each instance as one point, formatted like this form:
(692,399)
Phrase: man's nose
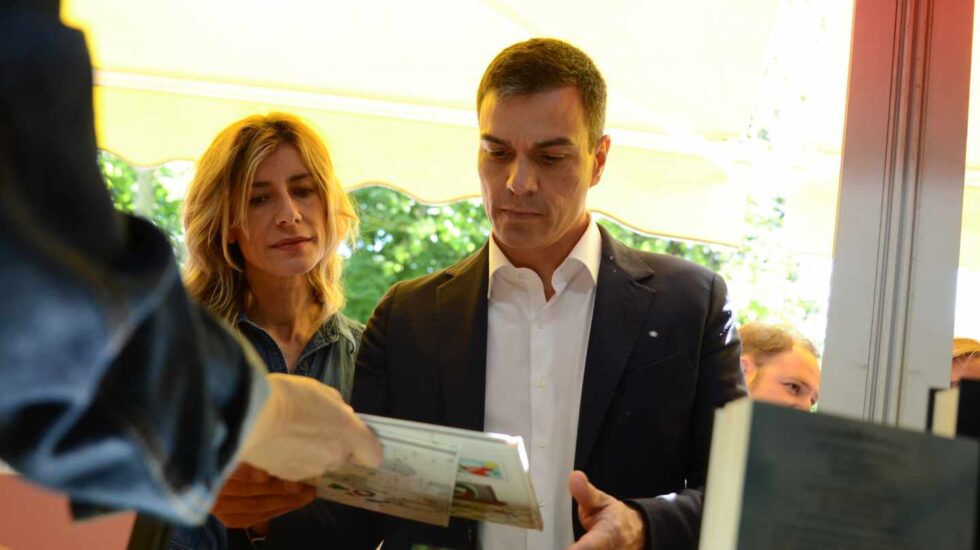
(522,178)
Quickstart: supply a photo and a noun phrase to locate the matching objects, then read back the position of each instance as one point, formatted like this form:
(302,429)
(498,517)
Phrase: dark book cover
(787,479)
(968,415)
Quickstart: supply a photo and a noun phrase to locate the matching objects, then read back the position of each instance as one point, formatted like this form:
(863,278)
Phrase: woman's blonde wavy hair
(217,200)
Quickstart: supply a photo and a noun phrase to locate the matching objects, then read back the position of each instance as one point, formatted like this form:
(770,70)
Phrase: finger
(589,498)
(236,488)
(306,493)
(293,487)
(242,471)
(256,475)
(365,447)
(253,505)
(273,486)
(262,504)
(241,521)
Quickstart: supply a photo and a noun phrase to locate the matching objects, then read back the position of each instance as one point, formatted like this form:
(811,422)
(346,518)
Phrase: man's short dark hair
(542,64)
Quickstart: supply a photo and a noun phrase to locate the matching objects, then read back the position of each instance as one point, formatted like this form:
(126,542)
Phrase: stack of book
(955,412)
(782,478)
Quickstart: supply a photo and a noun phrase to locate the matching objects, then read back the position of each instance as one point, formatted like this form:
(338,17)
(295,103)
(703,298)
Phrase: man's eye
(795,389)
(552,158)
(496,153)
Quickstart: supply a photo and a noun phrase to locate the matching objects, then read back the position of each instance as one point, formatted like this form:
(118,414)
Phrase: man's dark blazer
(663,354)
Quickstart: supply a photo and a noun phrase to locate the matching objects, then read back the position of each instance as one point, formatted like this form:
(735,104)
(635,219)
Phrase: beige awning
(391,85)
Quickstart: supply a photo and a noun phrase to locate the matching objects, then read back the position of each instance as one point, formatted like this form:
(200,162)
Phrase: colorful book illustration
(432,472)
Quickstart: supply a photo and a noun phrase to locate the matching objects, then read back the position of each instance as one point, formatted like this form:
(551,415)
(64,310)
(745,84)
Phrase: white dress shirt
(535,365)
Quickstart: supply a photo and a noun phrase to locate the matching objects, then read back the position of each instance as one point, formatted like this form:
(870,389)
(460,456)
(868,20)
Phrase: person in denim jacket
(265,218)
(114,387)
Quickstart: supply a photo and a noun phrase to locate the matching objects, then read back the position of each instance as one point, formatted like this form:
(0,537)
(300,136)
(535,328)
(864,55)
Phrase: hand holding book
(432,472)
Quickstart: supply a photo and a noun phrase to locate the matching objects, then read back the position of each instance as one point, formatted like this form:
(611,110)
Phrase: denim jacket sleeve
(114,387)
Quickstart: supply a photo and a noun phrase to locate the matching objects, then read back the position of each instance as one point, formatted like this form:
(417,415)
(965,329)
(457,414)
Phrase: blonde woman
(966,360)
(265,218)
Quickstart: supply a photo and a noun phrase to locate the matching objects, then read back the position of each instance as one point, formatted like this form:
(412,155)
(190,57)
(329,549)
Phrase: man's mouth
(520,213)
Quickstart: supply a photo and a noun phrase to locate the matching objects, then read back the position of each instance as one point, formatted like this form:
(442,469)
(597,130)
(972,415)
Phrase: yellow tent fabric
(391,87)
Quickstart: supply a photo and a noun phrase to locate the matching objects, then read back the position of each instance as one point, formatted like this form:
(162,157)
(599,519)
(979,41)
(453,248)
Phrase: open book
(432,472)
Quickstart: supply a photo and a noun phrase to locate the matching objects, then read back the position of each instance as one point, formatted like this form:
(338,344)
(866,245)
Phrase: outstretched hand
(306,429)
(609,523)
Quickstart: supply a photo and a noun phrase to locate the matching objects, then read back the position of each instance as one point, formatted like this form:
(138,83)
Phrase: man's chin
(517,238)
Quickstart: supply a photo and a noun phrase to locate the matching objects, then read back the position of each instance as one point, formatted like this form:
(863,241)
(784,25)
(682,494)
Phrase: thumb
(585,494)
(254,474)
(365,447)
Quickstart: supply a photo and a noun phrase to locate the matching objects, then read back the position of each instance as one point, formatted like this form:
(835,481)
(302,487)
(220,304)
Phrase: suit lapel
(461,304)
(621,305)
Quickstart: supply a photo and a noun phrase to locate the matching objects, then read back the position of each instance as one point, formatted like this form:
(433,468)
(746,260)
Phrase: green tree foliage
(401,238)
(762,274)
(163,210)
(711,257)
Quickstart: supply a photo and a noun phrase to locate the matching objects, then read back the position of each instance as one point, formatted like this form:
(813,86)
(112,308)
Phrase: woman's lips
(291,242)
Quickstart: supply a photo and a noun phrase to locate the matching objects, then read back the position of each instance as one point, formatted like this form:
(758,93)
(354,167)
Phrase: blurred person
(265,217)
(966,360)
(115,388)
(780,366)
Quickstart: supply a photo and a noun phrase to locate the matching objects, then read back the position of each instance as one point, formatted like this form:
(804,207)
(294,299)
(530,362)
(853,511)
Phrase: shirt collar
(587,251)
(328,333)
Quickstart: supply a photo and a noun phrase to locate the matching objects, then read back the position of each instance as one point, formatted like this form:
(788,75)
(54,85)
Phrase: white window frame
(896,249)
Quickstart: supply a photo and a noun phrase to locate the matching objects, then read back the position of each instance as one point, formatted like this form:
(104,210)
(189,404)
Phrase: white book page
(492,483)
(415,481)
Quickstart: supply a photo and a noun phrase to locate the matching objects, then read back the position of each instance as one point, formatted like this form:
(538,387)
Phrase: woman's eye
(303,192)
(795,389)
(258,199)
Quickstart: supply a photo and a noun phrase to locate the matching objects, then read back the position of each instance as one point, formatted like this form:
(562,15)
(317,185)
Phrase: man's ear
(749,368)
(601,154)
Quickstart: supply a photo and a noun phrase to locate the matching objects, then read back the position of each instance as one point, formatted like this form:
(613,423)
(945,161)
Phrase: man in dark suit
(607,360)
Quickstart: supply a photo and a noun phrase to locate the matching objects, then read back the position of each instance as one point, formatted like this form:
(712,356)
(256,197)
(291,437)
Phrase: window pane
(967,321)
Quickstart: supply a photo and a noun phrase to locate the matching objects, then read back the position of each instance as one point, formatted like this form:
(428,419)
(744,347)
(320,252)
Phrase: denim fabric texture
(114,387)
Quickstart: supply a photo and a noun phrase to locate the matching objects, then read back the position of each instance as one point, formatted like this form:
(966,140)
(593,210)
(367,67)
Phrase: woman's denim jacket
(329,358)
